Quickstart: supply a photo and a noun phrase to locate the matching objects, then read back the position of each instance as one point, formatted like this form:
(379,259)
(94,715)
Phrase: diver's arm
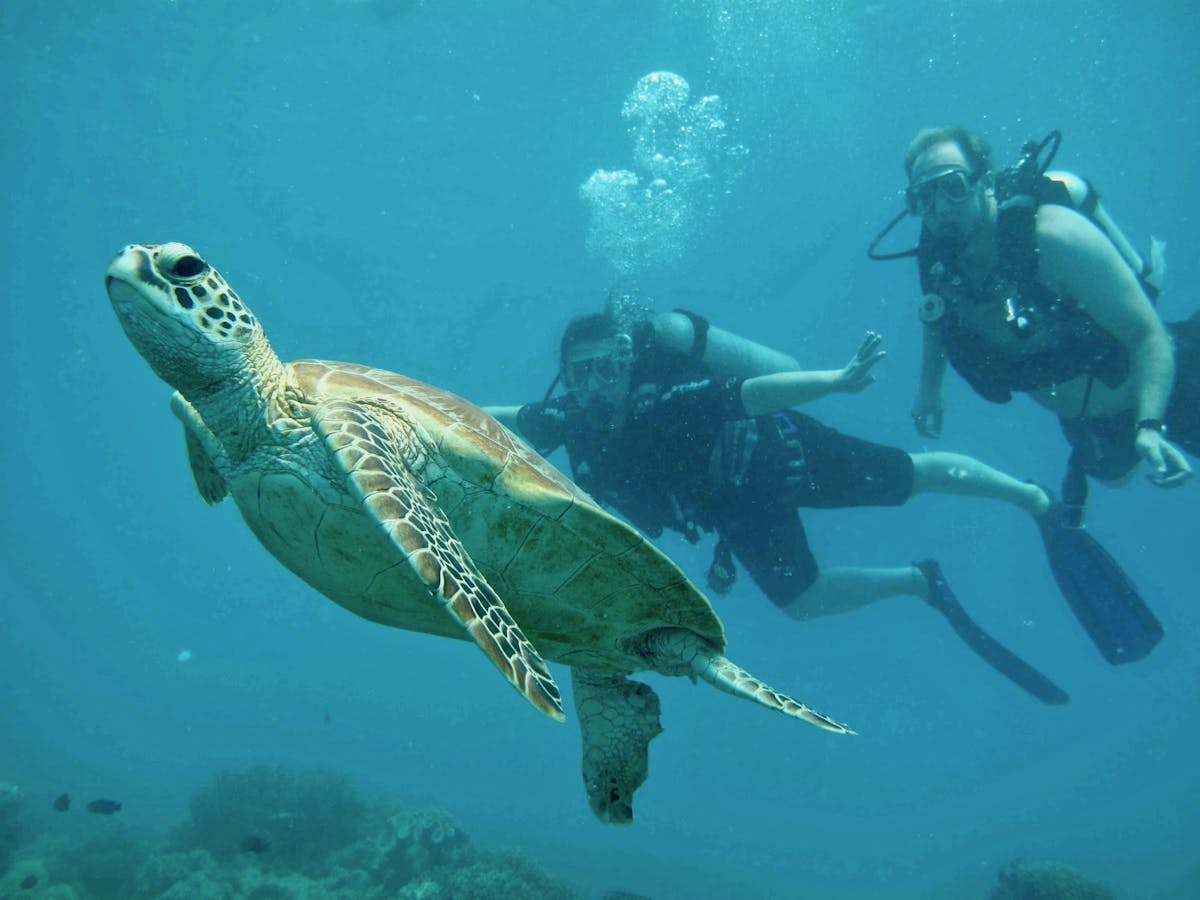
(771,393)
(1076,259)
(505,415)
(724,353)
(541,425)
(929,406)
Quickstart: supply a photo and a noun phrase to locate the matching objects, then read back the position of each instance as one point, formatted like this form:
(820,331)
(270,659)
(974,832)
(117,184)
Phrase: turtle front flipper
(677,651)
(203,450)
(618,718)
(383,458)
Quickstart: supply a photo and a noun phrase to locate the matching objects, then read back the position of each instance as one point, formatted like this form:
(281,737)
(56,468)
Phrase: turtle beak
(127,298)
(119,292)
(129,269)
(127,301)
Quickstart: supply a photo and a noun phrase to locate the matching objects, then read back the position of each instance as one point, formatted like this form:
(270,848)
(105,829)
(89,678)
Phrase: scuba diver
(655,427)
(1029,286)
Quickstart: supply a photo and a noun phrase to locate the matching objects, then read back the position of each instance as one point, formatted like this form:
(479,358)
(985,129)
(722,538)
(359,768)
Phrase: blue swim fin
(985,646)
(1104,599)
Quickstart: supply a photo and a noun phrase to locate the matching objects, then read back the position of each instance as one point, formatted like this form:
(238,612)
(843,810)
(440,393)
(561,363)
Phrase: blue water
(398,184)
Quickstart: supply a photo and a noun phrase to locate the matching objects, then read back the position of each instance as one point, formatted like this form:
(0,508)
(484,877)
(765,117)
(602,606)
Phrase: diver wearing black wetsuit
(651,432)
(689,459)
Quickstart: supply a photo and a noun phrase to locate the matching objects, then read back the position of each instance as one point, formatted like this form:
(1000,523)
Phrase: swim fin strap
(1104,599)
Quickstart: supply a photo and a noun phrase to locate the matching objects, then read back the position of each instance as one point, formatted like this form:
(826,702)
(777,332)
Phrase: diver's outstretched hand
(857,373)
(1171,468)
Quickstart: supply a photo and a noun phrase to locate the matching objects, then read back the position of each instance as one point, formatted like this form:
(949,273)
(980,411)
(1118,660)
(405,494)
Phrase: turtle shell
(584,586)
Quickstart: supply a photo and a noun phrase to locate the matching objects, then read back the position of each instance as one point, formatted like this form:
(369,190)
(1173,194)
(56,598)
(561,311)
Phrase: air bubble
(682,163)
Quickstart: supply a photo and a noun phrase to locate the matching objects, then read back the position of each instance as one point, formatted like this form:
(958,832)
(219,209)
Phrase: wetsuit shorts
(1104,447)
(809,465)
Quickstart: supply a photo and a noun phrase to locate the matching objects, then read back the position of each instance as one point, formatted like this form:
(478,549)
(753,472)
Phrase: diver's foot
(1042,502)
(1054,513)
(1059,515)
(937,593)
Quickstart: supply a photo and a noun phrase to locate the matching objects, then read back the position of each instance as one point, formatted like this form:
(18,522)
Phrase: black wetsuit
(687,458)
(1058,342)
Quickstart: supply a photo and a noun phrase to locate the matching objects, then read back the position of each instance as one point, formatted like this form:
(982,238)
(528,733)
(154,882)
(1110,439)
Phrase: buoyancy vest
(1056,341)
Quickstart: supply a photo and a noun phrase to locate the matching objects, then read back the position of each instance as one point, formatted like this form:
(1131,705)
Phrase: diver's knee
(923,470)
(928,462)
(799,605)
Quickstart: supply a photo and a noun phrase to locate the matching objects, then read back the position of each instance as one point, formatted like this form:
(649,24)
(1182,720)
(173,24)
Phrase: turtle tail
(677,651)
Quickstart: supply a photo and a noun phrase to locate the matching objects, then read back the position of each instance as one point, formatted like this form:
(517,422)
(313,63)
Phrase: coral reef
(425,854)
(314,839)
(1024,880)
(31,878)
(492,875)
(304,816)
(196,875)
(10,813)
(104,865)
(412,842)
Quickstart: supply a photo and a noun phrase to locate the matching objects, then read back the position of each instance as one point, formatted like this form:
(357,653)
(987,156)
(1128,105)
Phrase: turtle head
(182,316)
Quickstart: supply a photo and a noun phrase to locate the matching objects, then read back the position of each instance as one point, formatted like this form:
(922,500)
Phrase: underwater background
(403,184)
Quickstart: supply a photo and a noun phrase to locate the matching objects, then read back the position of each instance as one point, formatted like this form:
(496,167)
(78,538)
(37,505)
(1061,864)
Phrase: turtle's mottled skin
(413,508)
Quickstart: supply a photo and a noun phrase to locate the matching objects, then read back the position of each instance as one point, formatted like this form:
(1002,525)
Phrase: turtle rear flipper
(677,651)
(382,457)
(618,718)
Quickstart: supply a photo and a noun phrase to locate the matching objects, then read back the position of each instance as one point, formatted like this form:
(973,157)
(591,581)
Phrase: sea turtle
(413,508)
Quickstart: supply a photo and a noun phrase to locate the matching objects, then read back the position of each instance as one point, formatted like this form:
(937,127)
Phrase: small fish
(104,807)
(28,882)
(252,843)
(62,802)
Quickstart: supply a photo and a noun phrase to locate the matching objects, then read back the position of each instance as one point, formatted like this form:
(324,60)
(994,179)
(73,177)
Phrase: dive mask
(605,370)
(954,184)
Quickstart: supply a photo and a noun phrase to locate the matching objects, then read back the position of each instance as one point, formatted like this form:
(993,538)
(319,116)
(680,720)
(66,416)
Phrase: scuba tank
(1084,198)
(1030,179)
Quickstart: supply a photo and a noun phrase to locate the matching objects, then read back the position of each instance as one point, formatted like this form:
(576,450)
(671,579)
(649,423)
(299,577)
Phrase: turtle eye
(180,262)
(189,266)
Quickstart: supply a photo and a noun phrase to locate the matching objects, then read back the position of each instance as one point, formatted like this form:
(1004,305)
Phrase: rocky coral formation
(302,816)
(492,875)
(104,865)
(315,839)
(10,813)
(415,842)
(32,878)
(197,875)
(1024,880)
